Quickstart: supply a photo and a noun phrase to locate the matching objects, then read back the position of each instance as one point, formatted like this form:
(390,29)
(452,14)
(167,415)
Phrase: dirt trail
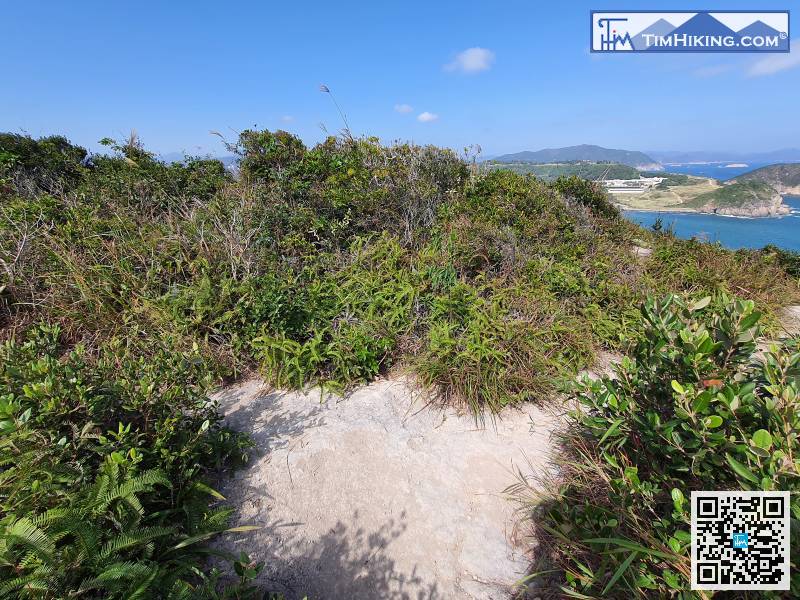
(379,496)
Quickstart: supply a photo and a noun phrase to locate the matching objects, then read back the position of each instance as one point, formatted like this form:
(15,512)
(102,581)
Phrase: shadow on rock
(268,422)
(347,562)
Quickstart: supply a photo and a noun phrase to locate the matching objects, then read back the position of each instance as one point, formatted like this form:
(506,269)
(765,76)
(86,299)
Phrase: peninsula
(784,178)
(686,193)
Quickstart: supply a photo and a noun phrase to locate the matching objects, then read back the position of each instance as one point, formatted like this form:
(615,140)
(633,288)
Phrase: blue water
(731,232)
(715,170)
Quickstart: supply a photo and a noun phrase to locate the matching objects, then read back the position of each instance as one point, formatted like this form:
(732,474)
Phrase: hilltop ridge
(784,178)
(583,152)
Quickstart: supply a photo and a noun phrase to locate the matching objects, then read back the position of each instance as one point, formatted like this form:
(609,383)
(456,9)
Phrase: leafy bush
(103,466)
(268,156)
(587,193)
(691,409)
(50,164)
(787,259)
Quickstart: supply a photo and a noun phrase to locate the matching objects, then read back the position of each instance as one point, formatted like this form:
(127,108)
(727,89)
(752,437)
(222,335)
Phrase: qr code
(740,540)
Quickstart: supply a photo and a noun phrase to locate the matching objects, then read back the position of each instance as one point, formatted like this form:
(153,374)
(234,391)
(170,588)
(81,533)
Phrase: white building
(631,186)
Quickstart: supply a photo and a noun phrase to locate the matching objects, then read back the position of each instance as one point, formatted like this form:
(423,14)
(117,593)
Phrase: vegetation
(551,171)
(690,409)
(735,195)
(130,287)
(789,260)
(783,177)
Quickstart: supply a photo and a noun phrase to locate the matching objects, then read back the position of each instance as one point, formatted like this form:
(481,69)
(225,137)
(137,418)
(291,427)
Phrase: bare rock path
(790,320)
(378,496)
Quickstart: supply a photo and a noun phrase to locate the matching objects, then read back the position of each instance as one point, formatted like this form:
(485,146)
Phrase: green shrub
(103,467)
(362,311)
(50,164)
(267,156)
(691,409)
(789,260)
(587,193)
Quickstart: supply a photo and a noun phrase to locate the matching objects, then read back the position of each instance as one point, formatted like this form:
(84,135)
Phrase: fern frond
(143,482)
(32,581)
(24,532)
(118,575)
(137,537)
(141,589)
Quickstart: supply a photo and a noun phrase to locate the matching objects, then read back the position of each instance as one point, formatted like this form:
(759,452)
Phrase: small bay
(731,232)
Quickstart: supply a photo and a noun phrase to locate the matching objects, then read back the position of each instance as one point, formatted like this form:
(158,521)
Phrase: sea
(731,232)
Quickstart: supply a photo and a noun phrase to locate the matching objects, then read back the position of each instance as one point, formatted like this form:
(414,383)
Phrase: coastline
(778,208)
(668,211)
(732,232)
(684,211)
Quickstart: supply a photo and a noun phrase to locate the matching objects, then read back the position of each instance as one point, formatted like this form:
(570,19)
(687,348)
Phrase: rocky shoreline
(773,207)
(770,207)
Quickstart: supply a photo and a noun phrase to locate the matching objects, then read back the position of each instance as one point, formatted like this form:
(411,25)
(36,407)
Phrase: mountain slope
(785,178)
(582,169)
(746,199)
(586,152)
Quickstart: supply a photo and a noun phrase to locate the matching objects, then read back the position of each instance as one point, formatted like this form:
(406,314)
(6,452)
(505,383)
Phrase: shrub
(691,409)
(587,193)
(50,164)
(267,156)
(787,259)
(104,462)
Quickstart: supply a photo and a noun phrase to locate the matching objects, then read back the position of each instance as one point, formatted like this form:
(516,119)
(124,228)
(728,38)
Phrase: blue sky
(173,71)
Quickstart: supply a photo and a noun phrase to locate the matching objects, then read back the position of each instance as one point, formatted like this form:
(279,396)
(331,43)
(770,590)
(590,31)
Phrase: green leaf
(199,485)
(672,579)
(713,421)
(702,303)
(674,545)
(740,469)
(619,572)
(762,439)
(678,387)
(610,430)
(623,543)
(677,498)
(701,403)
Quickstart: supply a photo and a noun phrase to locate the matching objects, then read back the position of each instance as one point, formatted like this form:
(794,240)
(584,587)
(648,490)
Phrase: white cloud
(472,60)
(287,118)
(776,62)
(403,108)
(427,117)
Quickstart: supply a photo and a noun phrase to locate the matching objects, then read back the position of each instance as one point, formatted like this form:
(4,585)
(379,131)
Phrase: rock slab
(378,495)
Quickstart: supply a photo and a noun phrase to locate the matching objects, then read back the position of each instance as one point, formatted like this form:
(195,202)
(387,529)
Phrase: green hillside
(585,170)
(783,177)
(736,195)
